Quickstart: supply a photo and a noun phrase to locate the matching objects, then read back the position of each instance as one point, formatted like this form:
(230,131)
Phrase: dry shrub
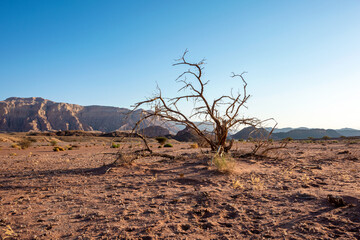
(9,233)
(194,145)
(161,140)
(58,149)
(25,143)
(256,183)
(14,145)
(236,184)
(224,163)
(114,145)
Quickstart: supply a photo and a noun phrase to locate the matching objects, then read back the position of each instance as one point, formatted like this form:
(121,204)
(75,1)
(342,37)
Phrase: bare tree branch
(223,112)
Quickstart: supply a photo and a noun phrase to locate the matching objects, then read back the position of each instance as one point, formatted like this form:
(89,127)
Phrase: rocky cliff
(38,114)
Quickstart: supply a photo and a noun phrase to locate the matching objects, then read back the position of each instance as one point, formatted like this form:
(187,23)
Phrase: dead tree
(223,112)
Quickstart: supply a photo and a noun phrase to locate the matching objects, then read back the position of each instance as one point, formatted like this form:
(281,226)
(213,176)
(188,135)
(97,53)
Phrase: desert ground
(47,194)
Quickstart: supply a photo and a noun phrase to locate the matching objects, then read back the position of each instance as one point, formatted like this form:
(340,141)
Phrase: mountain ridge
(39,114)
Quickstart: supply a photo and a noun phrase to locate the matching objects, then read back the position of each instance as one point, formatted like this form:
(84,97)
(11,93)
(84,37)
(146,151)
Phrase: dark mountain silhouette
(248,132)
(187,135)
(251,132)
(306,133)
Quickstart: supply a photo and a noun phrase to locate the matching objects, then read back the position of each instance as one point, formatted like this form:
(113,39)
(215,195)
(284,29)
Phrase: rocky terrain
(310,190)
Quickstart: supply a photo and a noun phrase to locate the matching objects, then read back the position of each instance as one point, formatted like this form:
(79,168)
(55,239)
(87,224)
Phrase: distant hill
(251,132)
(38,114)
(348,132)
(295,134)
(306,133)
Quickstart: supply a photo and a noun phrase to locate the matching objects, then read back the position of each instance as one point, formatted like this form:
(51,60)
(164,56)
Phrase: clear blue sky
(302,57)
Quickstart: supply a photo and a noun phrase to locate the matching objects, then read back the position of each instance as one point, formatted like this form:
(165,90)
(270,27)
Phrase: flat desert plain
(310,190)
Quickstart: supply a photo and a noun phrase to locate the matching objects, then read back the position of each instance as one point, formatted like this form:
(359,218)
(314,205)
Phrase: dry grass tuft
(9,233)
(194,145)
(224,163)
(58,149)
(14,145)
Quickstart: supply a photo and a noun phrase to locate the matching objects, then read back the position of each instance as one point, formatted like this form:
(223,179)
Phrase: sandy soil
(63,195)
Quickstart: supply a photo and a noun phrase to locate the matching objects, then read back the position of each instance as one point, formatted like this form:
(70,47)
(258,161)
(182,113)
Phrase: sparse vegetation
(236,184)
(256,183)
(168,145)
(58,149)
(53,143)
(289,139)
(114,145)
(14,145)
(223,162)
(25,143)
(9,233)
(161,140)
(194,145)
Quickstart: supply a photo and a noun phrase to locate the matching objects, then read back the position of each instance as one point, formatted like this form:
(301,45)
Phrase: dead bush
(25,143)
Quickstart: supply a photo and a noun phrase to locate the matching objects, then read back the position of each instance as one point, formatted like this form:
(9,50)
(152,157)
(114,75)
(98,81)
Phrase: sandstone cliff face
(38,114)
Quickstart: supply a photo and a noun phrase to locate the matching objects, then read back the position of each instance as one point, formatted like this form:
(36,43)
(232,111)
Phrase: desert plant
(114,145)
(236,184)
(326,137)
(25,143)
(9,233)
(161,140)
(223,162)
(168,145)
(223,112)
(14,145)
(58,149)
(194,145)
(53,143)
(289,139)
(256,183)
